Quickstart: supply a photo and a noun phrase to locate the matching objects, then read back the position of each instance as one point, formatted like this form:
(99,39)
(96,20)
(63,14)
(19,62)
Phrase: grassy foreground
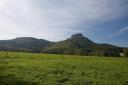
(45,69)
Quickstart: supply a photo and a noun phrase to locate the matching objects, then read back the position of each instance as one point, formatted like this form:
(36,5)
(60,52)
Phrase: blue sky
(103,21)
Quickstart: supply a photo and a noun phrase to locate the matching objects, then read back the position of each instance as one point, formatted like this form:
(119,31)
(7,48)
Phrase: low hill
(24,44)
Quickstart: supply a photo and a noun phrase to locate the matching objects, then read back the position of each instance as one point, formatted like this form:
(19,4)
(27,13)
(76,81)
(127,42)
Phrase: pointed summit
(78,38)
(78,35)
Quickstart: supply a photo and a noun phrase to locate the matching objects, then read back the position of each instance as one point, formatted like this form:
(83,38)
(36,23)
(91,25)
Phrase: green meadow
(17,68)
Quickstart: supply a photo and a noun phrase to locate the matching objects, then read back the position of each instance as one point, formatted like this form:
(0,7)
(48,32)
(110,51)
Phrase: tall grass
(44,69)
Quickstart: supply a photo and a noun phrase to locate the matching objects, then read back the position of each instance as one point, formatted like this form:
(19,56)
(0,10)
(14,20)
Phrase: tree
(126,52)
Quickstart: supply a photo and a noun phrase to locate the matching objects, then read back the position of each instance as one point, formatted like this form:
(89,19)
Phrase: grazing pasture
(17,68)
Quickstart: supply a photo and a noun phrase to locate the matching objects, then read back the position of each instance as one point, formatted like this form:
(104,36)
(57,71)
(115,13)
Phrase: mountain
(77,44)
(24,44)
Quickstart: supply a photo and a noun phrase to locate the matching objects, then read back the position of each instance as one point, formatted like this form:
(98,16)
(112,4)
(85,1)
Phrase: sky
(103,21)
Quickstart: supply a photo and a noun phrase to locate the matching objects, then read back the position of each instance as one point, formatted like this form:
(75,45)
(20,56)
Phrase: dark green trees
(125,52)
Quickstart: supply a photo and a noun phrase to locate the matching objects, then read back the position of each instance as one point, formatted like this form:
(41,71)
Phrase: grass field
(45,69)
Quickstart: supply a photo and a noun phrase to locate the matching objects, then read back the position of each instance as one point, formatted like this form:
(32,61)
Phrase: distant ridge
(77,44)
(25,38)
(29,44)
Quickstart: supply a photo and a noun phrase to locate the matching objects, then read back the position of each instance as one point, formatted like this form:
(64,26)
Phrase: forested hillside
(77,44)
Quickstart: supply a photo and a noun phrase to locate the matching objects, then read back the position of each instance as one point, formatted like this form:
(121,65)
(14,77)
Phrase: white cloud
(120,31)
(53,19)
